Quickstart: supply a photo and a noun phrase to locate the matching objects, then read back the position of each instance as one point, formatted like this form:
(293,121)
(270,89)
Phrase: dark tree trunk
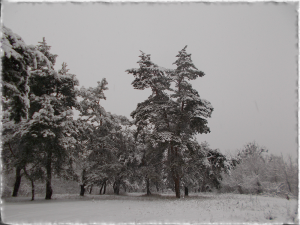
(17,182)
(177,186)
(82,190)
(240,189)
(48,190)
(116,187)
(148,186)
(259,188)
(175,175)
(32,190)
(103,185)
(100,192)
(104,188)
(186,191)
(49,176)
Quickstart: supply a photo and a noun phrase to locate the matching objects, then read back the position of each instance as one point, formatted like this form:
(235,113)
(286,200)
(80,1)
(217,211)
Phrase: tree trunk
(116,187)
(32,190)
(259,188)
(186,191)
(177,186)
(82,190)
(175,175)
(104,187)
(100,192)
(240,189)
(91,189)
(17,182)
(148,186)
(289,185)
(124,186)
(49,176)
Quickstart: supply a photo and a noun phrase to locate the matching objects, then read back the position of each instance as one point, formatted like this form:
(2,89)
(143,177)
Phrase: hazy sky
(247,51)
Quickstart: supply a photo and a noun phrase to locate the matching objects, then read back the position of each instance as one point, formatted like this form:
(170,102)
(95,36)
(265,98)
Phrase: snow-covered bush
(258,172)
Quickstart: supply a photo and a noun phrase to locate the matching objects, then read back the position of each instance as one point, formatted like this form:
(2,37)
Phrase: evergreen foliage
(18,61)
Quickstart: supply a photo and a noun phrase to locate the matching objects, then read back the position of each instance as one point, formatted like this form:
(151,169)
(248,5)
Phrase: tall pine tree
(18,62)
(52,96)
(175,118)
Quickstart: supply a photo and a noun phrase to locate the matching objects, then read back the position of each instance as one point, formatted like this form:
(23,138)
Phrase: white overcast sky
(247,51)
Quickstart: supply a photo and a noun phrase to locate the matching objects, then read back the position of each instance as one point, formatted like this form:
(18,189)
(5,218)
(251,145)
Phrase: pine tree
(52,96)
(106,140)
(149,160)
(174,118)
(18,62)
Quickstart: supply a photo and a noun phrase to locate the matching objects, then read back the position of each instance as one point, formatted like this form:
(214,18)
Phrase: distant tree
(90,133)
(150,160)
(122,166)
(195,165)
(282,172)
(204,167)
(78,164)
(218,164)
(107,143)
(248,175)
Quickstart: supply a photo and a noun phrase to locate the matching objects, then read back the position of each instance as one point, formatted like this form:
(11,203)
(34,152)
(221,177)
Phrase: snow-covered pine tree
(190,113)
(149,160)
(16,153)
(151,116)
(52,95)
(106,141)
(78,153)
(216,164)
(175,118)
(18,61)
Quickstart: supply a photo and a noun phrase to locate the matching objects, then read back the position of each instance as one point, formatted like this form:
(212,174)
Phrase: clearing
(138,208)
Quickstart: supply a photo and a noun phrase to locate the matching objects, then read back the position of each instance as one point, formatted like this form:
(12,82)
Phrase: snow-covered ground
(134,208)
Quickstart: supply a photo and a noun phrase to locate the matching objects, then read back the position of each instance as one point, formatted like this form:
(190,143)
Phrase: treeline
(157,149)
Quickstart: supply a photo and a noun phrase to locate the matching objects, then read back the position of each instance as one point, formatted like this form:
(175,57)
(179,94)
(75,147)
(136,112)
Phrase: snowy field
(136,208)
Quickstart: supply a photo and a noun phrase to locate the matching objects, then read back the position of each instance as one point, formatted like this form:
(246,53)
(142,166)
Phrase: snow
(136,208)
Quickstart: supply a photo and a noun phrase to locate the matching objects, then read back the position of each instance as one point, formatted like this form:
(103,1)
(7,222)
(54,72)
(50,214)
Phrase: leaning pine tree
(175,118)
